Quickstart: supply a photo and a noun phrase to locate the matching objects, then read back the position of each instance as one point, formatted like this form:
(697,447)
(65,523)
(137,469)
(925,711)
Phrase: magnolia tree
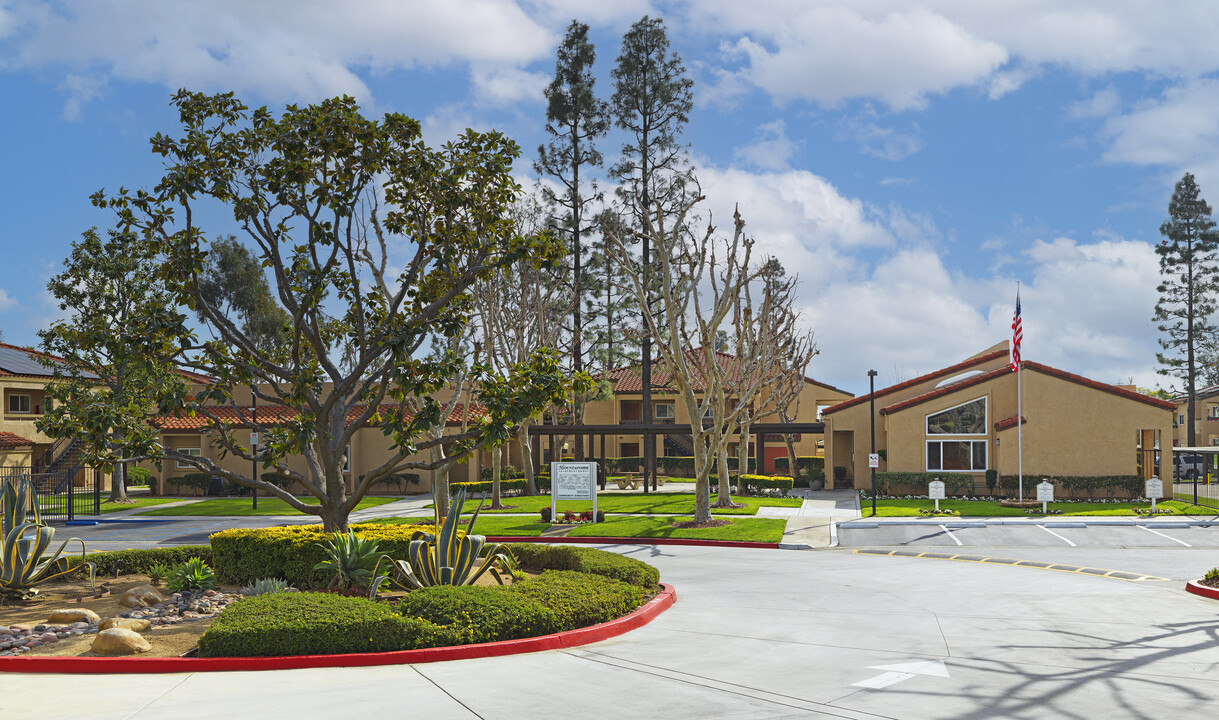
(372,241)
(701,279)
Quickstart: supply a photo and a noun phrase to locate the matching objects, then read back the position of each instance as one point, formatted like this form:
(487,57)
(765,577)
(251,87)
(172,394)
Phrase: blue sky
(910,161)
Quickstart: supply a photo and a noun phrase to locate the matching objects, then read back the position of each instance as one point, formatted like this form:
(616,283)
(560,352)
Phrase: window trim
(985,419)
(29,404)
(973,465)
(670,405)
(193,452)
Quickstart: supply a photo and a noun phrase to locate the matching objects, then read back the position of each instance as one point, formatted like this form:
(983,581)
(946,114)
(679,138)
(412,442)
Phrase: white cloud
(875,140)
(501,86)
(770,149)
(1179,128)
(279,49)
(1102,104)
(6,301)
(80,89)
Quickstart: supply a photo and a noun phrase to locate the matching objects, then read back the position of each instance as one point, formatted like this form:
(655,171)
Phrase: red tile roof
(948,371)
(630,380)
(1010,422)
(272,415)
(1028,365)
(9,441)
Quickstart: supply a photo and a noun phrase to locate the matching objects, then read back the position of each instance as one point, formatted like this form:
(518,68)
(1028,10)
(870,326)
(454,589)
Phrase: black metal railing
(64,494)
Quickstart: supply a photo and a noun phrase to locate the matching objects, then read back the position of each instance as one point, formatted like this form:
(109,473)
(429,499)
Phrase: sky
(911,162)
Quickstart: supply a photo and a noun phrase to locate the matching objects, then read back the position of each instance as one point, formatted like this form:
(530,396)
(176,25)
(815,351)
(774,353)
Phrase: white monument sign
(573,481)
(1045,495)
(1154,490)
(935,491)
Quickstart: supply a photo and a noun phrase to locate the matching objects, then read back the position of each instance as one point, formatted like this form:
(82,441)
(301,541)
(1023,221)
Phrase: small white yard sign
(873,460)
(935,491)
(573,481)
(1045,494)
(1154,490)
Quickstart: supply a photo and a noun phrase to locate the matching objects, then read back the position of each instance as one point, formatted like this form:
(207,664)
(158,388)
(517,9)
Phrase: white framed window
(193,452)
(956,455)
(968,418)
(347,459)
(19,404)
(666,411)
(1181,419)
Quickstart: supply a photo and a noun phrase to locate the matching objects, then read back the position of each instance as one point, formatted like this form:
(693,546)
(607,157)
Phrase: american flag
(1017,334)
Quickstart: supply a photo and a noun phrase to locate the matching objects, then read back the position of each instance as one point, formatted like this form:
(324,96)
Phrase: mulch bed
(684,525)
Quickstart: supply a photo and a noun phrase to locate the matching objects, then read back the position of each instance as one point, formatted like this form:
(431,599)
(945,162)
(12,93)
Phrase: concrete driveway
(772,634)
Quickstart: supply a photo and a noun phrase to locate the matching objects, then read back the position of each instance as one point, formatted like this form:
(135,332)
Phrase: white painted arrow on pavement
(905,671)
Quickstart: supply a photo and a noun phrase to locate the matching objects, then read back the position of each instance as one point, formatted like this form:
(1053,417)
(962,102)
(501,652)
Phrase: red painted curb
(128,665)
(1202,590)
(634,541)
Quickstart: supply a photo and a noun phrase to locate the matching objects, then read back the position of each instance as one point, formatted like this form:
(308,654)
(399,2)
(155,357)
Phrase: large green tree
(1189,266)
(327,199)
(652,99)
(233,281)
(575,118)
(113,370)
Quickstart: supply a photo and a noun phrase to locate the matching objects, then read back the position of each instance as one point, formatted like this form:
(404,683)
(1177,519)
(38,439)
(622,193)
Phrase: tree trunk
(333,518)
(793,468)
(440,483)
(742,458)
(724,494)
(523,440)
(702,484)
(496,467)
(118,484)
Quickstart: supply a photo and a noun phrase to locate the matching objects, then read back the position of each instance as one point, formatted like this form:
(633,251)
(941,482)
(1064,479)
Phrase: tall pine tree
(1188,264)
(653,96)
(575,118)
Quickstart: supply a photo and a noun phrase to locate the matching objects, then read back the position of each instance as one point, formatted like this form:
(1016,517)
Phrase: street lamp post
(254,445)
(872,419)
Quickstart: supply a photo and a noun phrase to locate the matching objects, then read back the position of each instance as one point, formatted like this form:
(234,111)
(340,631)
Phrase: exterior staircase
(58,465)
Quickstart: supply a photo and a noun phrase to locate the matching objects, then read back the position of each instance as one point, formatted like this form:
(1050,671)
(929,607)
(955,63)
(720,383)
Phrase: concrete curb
(637,541)
(130,665)
(1199,589)
(1068,521)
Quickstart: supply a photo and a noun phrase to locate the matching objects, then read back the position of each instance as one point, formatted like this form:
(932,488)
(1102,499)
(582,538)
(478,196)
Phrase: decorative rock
(5,631)
(64,617)
(125,623)
(119,641)
(142,596)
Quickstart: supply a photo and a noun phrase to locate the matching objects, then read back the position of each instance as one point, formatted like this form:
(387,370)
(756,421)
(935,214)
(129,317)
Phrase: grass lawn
(514,526)
(741,529)
(241,506)
(969,508)
(58,504)
(636,503)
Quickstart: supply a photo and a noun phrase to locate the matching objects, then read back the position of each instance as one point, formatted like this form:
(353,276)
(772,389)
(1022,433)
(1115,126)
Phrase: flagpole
(1019,411)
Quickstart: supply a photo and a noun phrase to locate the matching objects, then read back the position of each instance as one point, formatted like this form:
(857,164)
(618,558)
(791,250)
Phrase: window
(956,455)
(966,419)
(347,459)
(1181,419)
(1214,412)
(193,452)
(666,411)
(19,403)
(629,449)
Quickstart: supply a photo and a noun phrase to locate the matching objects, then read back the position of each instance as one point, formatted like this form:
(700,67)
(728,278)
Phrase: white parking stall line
(949,534)
(1170,537)
(1043,527)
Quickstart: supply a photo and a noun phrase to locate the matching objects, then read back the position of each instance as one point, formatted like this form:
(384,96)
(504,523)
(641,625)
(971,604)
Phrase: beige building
(1206,418)
(964,419)
(23,381)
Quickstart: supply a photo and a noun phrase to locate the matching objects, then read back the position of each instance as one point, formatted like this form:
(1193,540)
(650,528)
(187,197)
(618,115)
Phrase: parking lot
(1007,533)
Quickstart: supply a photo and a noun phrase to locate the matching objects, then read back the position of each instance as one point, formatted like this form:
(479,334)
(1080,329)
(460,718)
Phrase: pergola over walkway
(589,433)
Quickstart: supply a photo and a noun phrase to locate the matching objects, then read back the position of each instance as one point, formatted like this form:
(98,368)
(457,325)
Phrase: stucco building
(963,419)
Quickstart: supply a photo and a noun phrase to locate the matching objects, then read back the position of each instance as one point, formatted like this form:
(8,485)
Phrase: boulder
(133,624)
(73,615)
(119,641)
(142,596)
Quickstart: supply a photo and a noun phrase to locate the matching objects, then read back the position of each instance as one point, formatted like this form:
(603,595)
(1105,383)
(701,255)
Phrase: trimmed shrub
(624,464)
(314,624)
(1076,485)
(992,480)
(130,562)
(915,483)
(579,599)
(542,482)
(757,483)
(484,486)
(806,464)
(679,465)
(194,481)
(478,614)
(139,477)
(539,556)
(241,556)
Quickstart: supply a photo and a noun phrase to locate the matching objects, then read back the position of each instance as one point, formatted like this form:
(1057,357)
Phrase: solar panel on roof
(20,362)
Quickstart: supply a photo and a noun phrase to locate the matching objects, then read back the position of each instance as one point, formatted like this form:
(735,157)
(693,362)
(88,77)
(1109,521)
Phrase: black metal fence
(1204,491)
(63,495)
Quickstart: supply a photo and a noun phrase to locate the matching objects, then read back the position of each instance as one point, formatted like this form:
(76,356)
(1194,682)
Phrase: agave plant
(192,574)
(23,560)
(353,559)
(448,558)
(266,586)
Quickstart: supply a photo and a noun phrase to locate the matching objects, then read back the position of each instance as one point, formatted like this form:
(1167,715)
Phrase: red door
(769,453)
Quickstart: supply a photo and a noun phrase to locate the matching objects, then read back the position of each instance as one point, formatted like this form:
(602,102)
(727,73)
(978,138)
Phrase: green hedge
(195,481)
(478,614)
(314,624)
(579,599)
(243,555)
(1077,485)
(484,486)
(138,477)
(768,482)
(126,562)
(624,464)
(915,483)
(539,556)
(812,468)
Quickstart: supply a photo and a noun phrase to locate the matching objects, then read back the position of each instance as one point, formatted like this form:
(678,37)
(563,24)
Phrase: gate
(63,495)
